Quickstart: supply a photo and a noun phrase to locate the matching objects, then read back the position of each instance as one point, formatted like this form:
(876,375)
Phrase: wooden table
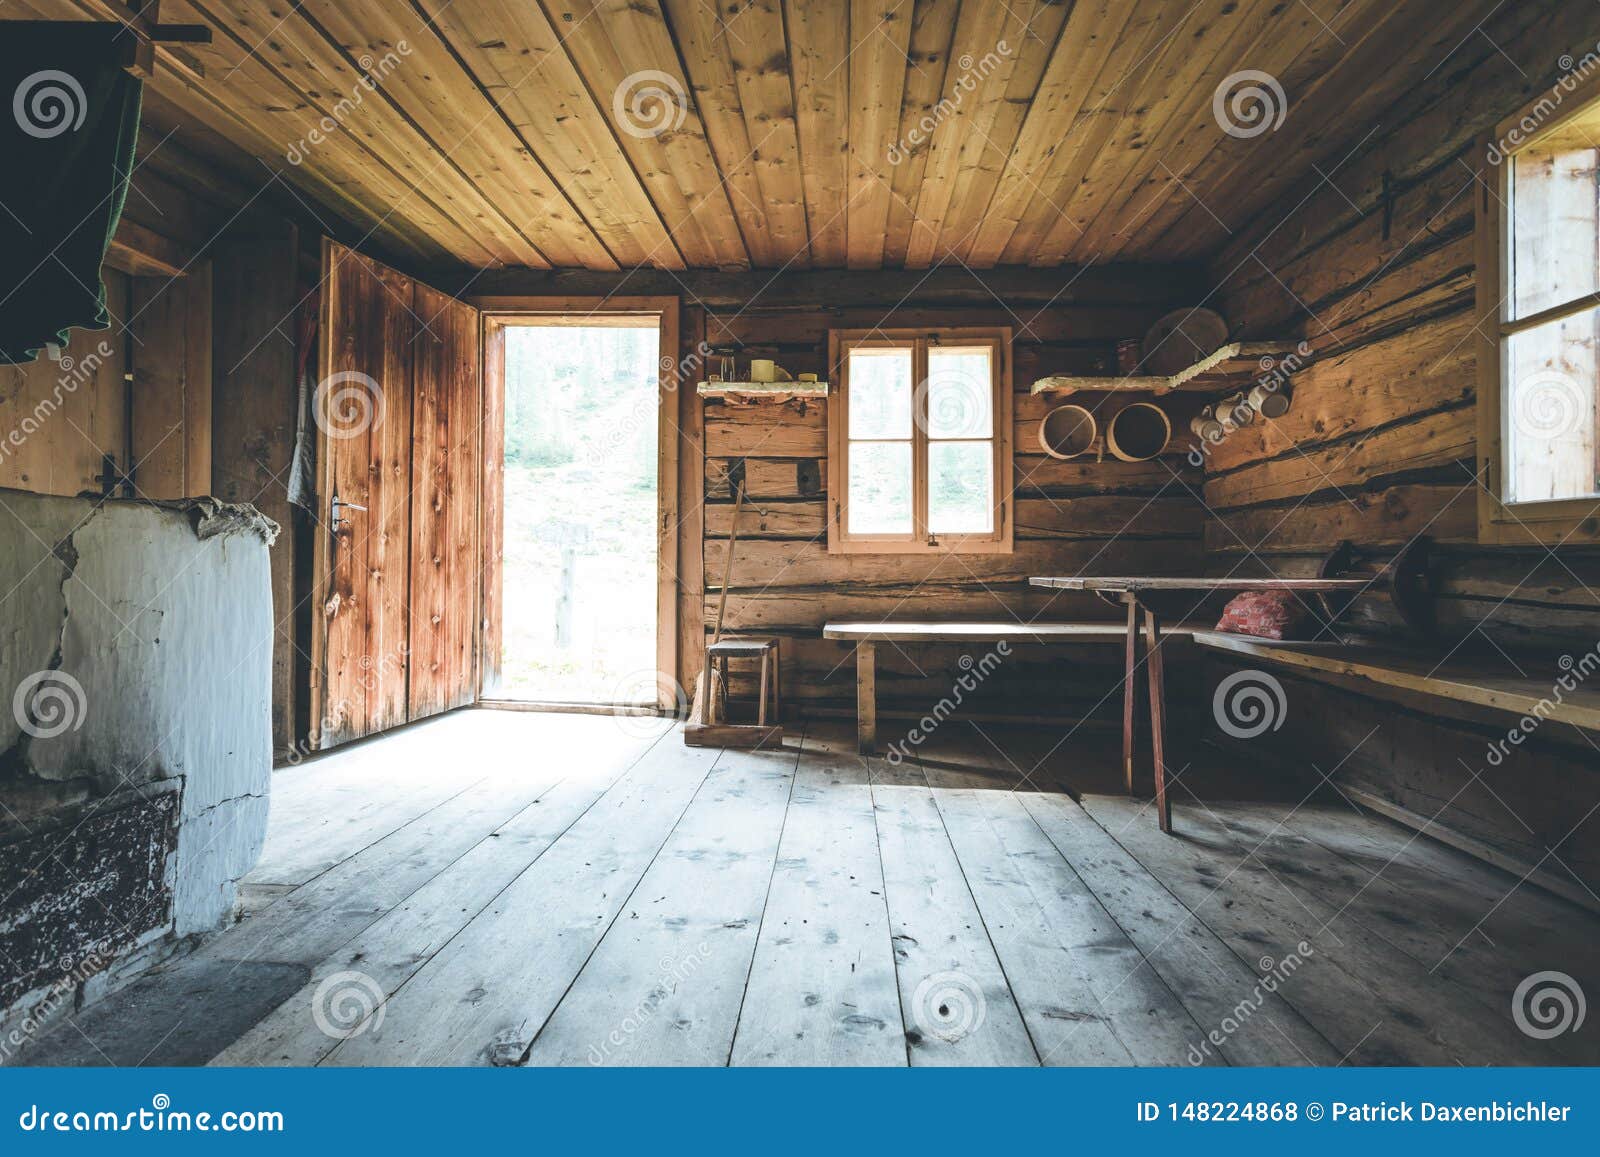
(1129,591)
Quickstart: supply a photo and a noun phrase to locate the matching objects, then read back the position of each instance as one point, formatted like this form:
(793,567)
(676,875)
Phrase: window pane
(880,488)
(960,394)
(1551,372)
(880,393)
(1555,230)
(961,487)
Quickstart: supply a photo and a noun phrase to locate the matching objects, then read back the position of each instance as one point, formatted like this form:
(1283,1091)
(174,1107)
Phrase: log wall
(1081,516)
(1371,262)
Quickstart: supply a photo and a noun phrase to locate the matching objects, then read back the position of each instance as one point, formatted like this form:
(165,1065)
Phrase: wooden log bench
(1397,673)
(1461,680)
(867,636)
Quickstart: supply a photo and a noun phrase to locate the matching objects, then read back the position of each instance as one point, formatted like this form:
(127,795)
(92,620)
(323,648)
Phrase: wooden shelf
(780,391)
(1230,367)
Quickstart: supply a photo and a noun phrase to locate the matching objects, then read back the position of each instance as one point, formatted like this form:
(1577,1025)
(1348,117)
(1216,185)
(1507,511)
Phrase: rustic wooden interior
(372,192)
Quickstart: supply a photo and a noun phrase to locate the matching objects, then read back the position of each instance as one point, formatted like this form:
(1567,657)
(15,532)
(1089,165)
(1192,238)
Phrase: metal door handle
(335,521)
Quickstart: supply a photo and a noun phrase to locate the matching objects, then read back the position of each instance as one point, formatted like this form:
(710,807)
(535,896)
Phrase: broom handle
(727,568)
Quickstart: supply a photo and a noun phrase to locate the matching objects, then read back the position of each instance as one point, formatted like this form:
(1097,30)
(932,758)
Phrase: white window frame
(1550,521)
(919,540)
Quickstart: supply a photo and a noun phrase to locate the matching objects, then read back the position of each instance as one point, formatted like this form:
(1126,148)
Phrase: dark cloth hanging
(67,137)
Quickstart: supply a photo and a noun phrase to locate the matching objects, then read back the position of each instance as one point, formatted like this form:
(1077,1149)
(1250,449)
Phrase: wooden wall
(1082,516)
(159,283)
(1374,267)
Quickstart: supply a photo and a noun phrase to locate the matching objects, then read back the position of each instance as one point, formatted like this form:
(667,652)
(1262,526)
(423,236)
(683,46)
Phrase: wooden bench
(1457,679)
(867,636)
(1389,673)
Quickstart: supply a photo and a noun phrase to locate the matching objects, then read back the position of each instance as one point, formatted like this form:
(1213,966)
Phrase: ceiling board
(733,134)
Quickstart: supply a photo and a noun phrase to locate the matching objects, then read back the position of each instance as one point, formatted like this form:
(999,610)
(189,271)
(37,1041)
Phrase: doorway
(585,487)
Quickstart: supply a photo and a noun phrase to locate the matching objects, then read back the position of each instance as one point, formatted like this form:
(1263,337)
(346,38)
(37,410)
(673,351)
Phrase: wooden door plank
(666,984)
(445,470)
(482,998)
(361,642)
(954,996)
(492,511)
(822,988)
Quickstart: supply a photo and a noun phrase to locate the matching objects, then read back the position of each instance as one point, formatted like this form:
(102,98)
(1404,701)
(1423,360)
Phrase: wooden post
(866,697)
(1130,688)
(1152,625)
(569,564)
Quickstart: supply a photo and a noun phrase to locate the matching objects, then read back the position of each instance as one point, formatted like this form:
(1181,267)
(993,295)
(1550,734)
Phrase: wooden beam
(143,252)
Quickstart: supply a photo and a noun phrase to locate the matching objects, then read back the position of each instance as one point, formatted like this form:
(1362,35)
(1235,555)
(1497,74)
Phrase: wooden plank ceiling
(606,134)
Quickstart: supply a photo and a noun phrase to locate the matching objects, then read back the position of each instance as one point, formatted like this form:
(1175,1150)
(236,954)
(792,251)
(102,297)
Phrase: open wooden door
(397,408)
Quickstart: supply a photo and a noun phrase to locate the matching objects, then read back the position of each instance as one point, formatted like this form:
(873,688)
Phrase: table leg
(866,697)
(1158,727)
(1130,689)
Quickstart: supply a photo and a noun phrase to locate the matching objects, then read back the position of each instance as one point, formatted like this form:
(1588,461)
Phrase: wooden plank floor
(526,889)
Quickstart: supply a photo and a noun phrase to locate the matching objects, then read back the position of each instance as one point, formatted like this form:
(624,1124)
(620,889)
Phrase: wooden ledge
(1456,679)
(938,632)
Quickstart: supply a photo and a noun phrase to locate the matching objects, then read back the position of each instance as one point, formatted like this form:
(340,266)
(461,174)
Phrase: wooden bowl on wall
(1138,432)
(1068,432)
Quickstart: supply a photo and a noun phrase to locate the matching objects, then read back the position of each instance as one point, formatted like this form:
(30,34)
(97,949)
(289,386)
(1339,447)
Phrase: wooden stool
(717,656)
(712,728)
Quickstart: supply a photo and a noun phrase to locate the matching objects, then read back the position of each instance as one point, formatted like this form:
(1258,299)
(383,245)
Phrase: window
(1539,293)
(920,441)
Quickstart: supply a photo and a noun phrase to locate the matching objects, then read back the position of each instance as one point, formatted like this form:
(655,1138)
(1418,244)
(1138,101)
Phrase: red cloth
(1264,614)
